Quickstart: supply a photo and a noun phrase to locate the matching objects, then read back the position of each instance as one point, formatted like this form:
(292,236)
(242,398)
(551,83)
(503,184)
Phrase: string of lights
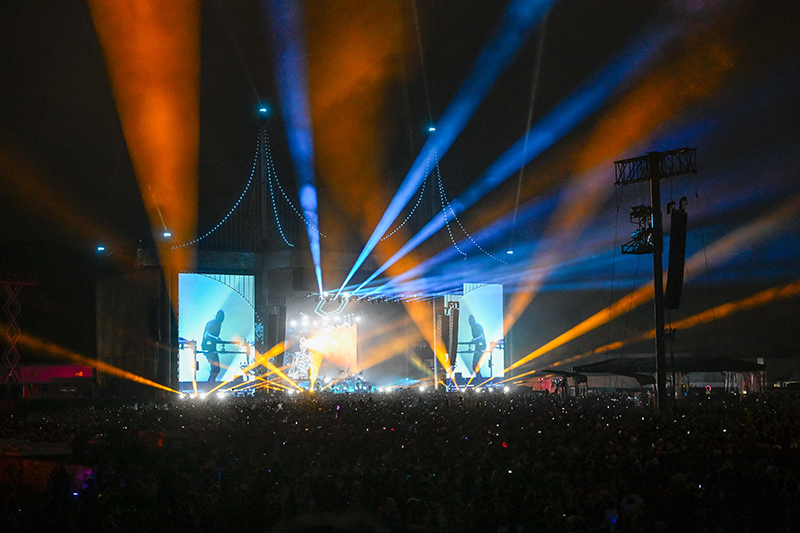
(270,173)
(445,206)
(446,201)
(238,201)
(273,172)
(411,213)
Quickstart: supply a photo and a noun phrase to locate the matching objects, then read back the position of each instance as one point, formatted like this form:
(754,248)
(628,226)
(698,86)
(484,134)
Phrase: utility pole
(649,237)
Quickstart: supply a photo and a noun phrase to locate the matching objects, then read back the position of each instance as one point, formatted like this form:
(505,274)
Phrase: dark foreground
(421,462)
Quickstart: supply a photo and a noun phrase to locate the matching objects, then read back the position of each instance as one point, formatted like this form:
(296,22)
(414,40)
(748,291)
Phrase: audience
(411,461)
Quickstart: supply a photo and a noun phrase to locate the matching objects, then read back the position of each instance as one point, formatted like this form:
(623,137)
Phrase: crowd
(414,461)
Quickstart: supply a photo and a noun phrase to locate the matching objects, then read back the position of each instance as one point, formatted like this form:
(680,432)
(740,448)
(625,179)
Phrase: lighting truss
(671,163)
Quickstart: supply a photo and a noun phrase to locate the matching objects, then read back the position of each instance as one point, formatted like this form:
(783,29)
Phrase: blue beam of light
(582,103)
(519,20)
(287,29)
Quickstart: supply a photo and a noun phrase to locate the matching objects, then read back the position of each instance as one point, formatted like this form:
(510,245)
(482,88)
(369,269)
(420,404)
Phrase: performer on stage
(479,343)
(210,340)
(302,362)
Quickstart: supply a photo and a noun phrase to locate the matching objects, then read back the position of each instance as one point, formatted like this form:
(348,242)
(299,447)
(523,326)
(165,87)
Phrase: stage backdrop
(485,304)
(199,298)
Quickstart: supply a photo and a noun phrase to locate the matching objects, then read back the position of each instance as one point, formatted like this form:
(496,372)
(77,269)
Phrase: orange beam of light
(152,53)
(421,314)
(314,371)
(520,375)
(357,54)
(260,359)
(259,383)
(60,352)
(276,370)
(775,293)
(273,384)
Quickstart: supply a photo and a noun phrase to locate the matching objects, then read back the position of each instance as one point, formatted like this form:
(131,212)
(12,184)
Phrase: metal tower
(649,238)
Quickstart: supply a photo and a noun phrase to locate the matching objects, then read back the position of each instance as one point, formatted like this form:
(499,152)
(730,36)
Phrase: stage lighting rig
(642,239)
(319,309)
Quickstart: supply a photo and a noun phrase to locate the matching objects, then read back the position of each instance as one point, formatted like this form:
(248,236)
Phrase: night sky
(725,79)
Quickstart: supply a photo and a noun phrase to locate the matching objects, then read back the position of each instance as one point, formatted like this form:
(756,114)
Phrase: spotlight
(506,389)
(183,396)
(510,252)
(358,319)
(422,389)
(264,112)
(293,323)
(221,395)
(167,234)
(203,395)
(100,248)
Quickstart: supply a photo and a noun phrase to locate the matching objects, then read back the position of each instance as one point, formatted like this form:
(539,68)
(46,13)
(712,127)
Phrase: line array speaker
(677,258)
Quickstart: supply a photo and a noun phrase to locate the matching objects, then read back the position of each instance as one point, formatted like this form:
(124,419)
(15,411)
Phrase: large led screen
(480,352)
(200,299)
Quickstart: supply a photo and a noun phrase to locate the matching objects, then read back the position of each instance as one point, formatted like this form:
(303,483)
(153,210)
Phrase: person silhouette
(209,344)
(479,343)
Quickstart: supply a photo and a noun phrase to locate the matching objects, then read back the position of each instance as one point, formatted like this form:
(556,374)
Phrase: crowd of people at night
(410,461)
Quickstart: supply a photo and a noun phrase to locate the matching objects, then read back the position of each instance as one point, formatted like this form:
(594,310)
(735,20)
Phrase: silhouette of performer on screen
(479,343)
(209,344)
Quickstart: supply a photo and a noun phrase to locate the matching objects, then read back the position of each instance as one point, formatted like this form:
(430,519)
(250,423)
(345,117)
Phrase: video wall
(481,348)
(200,298)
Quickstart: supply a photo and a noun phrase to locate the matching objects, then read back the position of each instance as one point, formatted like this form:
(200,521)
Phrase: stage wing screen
(480,332)
(200,296)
